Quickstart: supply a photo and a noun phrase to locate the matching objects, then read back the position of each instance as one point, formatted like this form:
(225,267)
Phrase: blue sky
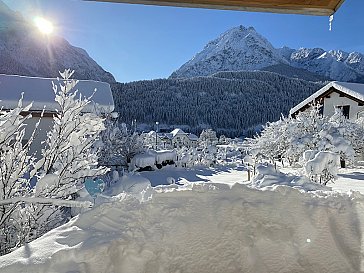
(136,42)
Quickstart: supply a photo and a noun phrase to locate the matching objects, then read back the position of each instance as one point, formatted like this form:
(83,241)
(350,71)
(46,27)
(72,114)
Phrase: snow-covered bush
(288,138)
(268,176)
(322,167)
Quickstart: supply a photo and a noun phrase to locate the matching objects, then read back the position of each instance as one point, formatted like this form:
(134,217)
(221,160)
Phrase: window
(345,109)
(321,110)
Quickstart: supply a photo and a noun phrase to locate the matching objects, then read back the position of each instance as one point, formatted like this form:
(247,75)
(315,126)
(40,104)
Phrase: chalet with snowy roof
(349,97)
(39,92)
(176,138)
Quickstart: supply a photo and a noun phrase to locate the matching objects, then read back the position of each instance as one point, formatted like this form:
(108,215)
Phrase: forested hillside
(232,103)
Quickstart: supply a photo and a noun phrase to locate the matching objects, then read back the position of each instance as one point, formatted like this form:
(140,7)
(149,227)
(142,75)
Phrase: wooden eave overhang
(310,7)
(322,96)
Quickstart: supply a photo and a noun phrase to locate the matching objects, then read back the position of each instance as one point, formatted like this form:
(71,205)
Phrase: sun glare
(43,25)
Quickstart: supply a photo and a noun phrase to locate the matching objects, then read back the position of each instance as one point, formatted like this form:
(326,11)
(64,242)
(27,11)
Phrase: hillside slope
(232,103)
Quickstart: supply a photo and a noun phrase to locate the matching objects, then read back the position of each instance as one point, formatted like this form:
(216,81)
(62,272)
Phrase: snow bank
(268,177)
(205,228)
(133,184)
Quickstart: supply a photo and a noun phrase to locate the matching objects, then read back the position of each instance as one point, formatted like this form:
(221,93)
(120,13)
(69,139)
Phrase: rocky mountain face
(24,51)
(244,49)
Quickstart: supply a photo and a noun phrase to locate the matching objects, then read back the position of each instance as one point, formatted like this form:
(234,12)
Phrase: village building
(39,92)
(175,139)
(349,97)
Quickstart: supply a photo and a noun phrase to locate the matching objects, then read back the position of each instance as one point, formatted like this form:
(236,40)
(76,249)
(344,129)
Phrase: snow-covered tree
(132,145)
(207,138)
(68,157)
(118,143)
(110,142)
(351,131)
(15,164)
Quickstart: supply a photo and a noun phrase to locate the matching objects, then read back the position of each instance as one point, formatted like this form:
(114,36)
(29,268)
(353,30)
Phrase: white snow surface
(39,91)
(355,90)
(204,228)
(220,225)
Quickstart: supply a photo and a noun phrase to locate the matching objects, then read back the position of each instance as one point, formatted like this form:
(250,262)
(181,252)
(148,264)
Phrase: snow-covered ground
(214,226)
(350,179)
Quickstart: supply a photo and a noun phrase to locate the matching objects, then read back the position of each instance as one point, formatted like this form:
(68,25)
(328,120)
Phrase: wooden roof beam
(309,7)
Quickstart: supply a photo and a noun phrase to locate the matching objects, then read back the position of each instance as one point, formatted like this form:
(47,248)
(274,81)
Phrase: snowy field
(213,226)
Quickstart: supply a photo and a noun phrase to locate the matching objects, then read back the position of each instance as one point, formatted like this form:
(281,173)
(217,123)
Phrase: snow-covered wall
(335,100)
(206,228)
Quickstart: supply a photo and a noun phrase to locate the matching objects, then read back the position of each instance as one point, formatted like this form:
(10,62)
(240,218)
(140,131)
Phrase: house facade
(349,97)
(39,92)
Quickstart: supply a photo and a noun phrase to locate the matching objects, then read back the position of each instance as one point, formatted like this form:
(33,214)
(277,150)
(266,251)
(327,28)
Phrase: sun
(43,25)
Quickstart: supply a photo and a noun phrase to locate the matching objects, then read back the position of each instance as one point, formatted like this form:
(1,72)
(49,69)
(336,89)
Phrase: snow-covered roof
(355,90)
(193,137)
(167,135)
(177,131)
(40,92)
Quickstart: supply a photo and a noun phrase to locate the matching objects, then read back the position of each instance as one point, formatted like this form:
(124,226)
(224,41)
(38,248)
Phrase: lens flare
(43,25)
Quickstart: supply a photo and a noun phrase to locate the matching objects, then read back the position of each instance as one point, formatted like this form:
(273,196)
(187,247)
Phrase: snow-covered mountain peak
(239,48)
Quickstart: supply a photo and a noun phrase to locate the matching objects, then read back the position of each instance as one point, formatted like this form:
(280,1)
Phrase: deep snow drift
(205,228)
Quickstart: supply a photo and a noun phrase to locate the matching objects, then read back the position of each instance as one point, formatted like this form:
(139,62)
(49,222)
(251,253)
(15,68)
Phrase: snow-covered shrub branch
(15,164)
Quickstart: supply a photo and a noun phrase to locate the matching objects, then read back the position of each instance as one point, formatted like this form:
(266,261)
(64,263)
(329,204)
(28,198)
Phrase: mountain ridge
(244,49)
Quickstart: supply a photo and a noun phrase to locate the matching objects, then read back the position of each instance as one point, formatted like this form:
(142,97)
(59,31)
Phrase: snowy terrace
(208,221)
